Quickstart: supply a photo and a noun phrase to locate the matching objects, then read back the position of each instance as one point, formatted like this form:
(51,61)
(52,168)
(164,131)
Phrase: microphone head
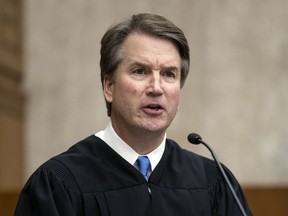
(194,138)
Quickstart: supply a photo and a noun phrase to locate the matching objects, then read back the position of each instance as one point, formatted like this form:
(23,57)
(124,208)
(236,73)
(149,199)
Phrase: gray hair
(145,23)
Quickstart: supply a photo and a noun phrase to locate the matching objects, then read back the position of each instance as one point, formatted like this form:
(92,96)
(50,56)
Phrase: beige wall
(235,97)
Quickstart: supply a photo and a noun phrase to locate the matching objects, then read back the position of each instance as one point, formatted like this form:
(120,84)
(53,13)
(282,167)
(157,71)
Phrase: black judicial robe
(92,179)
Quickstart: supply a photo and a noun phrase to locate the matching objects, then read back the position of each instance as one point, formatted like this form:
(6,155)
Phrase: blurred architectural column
(11,104)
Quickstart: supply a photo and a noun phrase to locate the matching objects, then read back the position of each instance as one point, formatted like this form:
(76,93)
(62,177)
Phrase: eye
(139,71)
(169,74)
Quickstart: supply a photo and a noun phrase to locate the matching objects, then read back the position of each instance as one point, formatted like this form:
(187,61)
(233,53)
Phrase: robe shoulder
(203,173)
(51,190)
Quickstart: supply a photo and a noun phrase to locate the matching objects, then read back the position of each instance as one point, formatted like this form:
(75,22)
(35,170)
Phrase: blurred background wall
(235,96)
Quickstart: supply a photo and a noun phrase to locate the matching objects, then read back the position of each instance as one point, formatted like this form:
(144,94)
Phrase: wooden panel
(8,202)
(11,134)
(11,158)
(268,201)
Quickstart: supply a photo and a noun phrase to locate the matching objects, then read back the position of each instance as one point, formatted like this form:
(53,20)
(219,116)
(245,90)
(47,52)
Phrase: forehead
(152,49)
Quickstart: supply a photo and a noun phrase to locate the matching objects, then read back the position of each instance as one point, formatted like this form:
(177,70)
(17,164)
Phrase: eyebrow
(139,64)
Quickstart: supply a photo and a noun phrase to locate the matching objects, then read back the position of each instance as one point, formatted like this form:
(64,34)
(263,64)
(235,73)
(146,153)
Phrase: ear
(108,89)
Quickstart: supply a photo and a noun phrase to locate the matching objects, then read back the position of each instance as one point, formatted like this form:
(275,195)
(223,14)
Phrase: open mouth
(153,109)
(154,106)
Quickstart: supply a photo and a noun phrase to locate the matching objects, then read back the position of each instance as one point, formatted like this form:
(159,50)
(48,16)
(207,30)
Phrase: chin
(155,127)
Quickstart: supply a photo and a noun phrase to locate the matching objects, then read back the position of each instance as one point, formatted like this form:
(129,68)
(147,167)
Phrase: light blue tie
(143,164)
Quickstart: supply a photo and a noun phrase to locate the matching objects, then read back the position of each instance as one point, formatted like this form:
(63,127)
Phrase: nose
(155,85)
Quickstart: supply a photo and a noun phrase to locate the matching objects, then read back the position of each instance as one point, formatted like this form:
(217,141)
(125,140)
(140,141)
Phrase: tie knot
(143,164)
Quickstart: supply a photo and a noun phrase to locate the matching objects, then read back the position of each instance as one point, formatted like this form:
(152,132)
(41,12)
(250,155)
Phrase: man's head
(145,23)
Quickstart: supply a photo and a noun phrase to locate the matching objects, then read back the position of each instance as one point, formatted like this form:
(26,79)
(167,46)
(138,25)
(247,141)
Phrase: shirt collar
(124,150)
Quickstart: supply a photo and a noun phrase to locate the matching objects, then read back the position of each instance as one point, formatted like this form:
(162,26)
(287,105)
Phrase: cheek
(131,89)
(174,100)
(174,96)
(126,93)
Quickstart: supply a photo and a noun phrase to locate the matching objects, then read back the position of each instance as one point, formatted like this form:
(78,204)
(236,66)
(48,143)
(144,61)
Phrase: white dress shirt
(124,150)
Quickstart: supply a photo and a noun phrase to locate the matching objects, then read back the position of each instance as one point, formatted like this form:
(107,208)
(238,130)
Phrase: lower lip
(153,112)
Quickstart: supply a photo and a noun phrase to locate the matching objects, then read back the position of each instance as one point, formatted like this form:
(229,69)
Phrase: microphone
(196,139)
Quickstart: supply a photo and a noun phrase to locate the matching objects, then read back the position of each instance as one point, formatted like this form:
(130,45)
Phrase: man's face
(145,94)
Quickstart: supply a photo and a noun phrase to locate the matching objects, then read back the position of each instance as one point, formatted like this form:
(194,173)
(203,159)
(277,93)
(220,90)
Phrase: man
(130,168)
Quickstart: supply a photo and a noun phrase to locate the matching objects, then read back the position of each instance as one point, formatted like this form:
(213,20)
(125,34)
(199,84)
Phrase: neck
(146,143)
(141,141)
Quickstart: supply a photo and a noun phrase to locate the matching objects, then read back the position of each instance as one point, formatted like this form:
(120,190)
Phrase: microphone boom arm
(224,176)
(196,139)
